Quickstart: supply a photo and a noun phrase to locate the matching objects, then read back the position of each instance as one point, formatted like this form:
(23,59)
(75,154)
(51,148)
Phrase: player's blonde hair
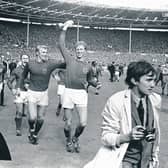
(81,43)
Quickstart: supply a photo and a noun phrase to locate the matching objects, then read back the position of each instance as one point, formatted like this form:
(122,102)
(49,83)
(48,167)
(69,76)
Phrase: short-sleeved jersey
(40,73)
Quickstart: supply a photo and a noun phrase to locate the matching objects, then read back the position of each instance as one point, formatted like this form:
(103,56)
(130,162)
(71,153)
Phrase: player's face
(43,53)
(146,84)
(80,50)
(25,59)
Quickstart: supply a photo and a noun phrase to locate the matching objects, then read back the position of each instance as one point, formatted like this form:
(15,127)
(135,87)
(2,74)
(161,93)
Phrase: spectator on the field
(130,126)
(12,65)
(93,77)
(3,70)
(111,69)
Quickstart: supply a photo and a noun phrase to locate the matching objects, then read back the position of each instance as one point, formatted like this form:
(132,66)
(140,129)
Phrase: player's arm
(24,77)
(62,45)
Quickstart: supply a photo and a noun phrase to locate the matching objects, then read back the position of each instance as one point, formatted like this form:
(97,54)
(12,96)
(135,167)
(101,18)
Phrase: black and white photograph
(83,83)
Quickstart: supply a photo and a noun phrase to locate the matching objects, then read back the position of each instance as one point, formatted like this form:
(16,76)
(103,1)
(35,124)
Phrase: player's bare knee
(67,126)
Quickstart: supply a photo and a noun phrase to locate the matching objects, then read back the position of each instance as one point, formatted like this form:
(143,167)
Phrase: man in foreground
(130,127)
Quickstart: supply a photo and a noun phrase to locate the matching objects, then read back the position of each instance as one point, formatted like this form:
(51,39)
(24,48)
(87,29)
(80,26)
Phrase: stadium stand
(104,44)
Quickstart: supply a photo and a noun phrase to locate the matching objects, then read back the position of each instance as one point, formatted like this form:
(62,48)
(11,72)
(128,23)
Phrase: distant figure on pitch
(93,77)
(19,90)
(3,71)
(111,69)
(164,81)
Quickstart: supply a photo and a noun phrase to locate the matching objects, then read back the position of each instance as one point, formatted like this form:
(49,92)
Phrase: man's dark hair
(137,69)
(94,63)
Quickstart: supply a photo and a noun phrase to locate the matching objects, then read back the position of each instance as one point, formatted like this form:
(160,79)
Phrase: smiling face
(80,51)
(41,52)
(145,85)
(25,59)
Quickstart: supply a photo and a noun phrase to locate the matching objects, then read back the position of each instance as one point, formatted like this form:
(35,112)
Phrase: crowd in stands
(104,44)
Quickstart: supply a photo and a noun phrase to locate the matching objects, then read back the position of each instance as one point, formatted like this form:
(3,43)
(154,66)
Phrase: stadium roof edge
(45,11)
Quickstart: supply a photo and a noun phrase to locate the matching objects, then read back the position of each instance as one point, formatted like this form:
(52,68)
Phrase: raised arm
(62,46)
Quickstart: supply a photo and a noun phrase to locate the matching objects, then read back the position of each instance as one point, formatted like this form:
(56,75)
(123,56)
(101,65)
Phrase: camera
(149,135)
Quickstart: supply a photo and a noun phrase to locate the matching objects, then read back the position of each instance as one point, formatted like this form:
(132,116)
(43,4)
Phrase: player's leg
(59,106)
(81,101)
(68,106)
(68,129)
(60,92)
(25,110)
(82,118)
(32,111)
(41,111)
(18,118)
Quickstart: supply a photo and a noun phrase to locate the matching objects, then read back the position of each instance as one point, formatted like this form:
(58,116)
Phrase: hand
(153,164)
(26,85)
(61,25)
(85,85)
(150,137)
(137,133)
(16,92)
(67,24)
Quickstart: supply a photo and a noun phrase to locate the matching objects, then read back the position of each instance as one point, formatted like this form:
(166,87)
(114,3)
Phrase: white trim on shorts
(38,97)
(72,97)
